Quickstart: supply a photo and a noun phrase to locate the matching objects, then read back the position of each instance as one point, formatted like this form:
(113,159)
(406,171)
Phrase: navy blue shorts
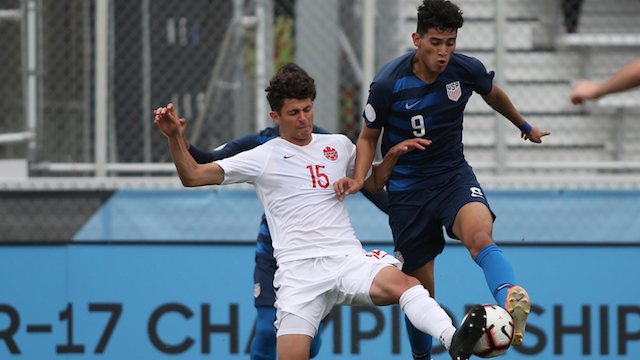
(417,217)
(263,281)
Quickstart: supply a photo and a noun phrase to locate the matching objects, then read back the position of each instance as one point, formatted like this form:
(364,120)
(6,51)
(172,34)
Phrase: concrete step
(531,98)
(601,137)
(599,64)
(534,66)
(611,16)
(622,23)
(485,9)
(539,153)
(566,130)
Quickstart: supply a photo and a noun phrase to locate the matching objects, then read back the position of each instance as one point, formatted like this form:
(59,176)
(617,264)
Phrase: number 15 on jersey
(318,175)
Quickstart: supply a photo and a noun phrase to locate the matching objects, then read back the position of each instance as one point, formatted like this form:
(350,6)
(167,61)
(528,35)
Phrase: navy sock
(420,342)
(263,346)
(316,342)
(497,271)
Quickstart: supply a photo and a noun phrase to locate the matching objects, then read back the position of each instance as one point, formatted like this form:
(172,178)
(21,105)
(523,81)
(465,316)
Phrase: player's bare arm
(626,78)
(500,102)
(190,173)
(366,152)
(382,170)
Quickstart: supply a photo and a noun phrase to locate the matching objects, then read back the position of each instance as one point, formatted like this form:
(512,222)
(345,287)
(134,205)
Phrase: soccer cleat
(468,334)
(518,304)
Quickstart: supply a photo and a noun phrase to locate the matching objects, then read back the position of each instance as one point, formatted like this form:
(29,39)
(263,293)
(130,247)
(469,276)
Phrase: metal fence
(80,79)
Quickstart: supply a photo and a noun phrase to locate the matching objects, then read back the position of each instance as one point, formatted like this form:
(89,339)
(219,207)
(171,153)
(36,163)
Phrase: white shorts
(310,288)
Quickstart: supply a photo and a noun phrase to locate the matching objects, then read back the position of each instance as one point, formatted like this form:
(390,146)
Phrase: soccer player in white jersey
(321,263)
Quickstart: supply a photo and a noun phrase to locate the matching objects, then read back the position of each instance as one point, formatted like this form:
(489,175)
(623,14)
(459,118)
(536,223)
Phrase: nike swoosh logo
(289,156)
(409,107)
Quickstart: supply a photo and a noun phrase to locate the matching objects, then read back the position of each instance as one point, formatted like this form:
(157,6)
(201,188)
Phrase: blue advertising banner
(195,301)
(221,214)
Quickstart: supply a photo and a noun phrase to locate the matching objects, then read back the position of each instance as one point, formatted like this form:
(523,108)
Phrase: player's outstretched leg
(468,333)
(518,304)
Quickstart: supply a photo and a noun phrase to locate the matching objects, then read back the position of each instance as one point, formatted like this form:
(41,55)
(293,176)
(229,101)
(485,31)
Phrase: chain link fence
(546,47)
(11,89)
(81,78)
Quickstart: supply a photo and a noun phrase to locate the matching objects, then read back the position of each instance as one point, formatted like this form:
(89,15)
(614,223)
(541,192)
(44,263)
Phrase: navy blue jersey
(241,144)
(247,142)
(407,107)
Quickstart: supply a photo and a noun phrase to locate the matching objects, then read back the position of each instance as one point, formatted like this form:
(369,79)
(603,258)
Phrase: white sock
(446,337)
(427,315)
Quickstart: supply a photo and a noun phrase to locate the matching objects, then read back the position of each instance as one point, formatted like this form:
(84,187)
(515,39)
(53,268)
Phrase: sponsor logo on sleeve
(370,113)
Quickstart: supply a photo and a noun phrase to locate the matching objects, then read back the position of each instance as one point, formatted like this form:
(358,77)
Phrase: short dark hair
(438,14)
(290,82)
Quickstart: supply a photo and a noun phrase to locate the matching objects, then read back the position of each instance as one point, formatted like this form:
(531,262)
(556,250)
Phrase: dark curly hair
(438,14)
(291,82)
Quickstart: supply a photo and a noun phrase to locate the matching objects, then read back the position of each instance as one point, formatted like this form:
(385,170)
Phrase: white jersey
(295,186)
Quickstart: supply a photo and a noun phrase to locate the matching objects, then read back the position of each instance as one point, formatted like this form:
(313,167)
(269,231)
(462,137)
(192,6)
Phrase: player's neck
(299,142)
(422,71)
(426,75)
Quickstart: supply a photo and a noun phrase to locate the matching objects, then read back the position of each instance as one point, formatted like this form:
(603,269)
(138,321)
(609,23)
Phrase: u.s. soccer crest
(454,91)
(330,153)
(256,290)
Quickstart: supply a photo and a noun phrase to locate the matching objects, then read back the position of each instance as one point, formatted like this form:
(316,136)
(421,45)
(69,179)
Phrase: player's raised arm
(366,152)
(191,174)
(501,103)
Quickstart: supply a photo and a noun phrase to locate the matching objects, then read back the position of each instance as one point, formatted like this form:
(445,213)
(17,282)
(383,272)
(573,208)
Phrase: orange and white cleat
(518,304)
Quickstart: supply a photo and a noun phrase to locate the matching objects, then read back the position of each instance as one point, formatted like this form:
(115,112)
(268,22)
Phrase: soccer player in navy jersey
(263,345)
(422,94)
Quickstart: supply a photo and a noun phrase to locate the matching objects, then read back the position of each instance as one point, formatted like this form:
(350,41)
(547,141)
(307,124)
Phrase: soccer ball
(498,334)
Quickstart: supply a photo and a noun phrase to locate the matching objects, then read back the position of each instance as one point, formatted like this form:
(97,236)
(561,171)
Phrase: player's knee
(478,241)
(407,282)
(389,285)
